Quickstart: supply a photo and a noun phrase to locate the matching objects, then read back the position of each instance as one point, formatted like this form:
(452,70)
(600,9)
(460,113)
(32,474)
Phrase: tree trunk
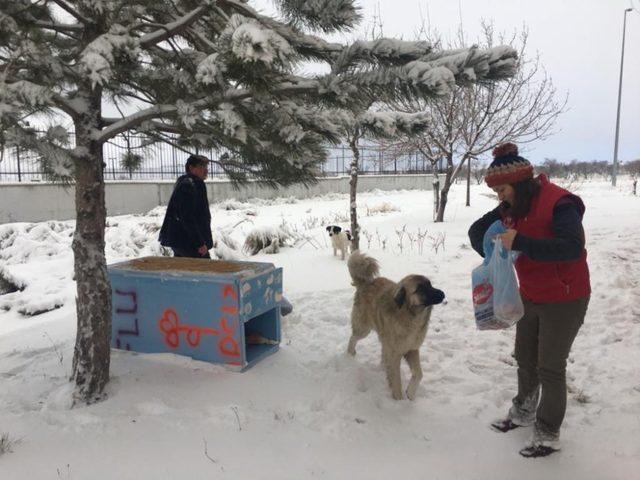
(444,192)
(436,190)
(93,302)
(353,189)
(468,204)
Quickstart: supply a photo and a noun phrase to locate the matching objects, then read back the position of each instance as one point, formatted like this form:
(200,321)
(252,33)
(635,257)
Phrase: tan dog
(398,312)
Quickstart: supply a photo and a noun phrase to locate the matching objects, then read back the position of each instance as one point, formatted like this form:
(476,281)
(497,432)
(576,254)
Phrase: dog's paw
(411,393)
(412,389)
(397,395)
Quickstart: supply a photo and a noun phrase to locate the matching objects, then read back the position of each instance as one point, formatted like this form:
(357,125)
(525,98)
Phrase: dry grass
(7,443)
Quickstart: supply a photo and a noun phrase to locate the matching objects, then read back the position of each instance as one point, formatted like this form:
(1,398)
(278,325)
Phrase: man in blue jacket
(187,224)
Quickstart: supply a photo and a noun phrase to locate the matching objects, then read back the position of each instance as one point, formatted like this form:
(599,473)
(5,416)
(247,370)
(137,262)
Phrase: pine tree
(203,73)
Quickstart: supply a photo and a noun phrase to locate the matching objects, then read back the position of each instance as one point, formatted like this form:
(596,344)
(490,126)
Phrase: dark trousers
(179,252)
(543,340)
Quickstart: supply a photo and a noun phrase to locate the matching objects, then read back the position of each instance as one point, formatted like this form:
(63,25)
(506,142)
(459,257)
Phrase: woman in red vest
(544,224)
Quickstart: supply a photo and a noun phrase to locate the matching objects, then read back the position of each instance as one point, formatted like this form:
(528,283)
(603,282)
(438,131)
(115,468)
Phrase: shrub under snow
(267,239)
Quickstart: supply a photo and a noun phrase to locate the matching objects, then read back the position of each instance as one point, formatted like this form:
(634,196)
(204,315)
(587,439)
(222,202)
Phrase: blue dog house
(215,311)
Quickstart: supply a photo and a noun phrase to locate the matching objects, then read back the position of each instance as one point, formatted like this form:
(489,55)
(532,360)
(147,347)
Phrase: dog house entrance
(261,335)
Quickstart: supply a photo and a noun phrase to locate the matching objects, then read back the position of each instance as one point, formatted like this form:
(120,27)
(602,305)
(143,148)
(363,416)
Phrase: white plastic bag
(496,299)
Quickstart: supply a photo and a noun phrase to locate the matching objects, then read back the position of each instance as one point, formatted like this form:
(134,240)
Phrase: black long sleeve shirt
(566,245)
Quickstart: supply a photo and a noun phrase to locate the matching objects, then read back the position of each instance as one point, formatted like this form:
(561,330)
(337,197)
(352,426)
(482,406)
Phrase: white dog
(340,240)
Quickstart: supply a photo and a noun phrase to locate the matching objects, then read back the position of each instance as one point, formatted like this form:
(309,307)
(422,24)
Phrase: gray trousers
(544,337)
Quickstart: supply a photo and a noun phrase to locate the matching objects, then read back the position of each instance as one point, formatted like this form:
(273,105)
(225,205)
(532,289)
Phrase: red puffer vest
(543,282)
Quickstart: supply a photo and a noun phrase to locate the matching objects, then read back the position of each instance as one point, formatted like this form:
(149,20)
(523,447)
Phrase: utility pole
(614,173)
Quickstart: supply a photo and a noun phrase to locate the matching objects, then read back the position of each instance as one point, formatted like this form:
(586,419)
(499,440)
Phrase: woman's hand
(507,238)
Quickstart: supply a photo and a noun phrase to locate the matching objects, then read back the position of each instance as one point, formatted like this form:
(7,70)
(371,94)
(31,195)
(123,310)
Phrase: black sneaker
(504,425)
(535,451)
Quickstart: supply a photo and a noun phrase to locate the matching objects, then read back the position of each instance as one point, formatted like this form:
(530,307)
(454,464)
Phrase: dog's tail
(363,269)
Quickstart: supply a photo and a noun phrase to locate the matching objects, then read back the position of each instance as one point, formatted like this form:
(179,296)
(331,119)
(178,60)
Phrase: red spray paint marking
(229,291)
(231,310)
(170,326)
(228,345)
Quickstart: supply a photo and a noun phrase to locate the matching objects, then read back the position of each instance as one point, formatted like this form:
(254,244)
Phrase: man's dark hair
(524,191)
(195,161)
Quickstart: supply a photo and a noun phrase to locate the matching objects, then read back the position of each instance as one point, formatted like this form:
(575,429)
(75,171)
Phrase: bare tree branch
(172,28)
(72,11)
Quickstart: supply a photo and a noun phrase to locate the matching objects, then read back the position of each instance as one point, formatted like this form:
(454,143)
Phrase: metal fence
(165,161)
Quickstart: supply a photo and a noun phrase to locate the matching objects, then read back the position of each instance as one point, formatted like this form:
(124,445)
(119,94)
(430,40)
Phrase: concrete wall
(24,202)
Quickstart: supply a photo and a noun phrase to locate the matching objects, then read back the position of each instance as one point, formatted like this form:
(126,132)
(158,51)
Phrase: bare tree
(478,170)
(633,169)
(471,121)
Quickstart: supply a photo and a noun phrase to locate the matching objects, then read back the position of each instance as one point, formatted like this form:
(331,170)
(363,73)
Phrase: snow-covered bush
(232,204)
(9,283)
(384,207)
(267,239)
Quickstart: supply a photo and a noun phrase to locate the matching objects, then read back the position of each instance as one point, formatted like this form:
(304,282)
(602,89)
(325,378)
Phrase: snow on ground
(309,410)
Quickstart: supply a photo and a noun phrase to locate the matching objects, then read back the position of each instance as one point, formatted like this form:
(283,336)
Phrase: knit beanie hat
(507,166)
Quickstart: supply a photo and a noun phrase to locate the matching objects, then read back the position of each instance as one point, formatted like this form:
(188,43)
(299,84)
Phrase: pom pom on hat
(505,149)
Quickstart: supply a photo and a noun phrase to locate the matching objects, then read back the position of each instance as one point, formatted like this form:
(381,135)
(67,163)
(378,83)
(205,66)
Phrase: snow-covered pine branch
(98,58)
(250,42)
(310,47)
(324,15)
(382,51)
(52,150)
(392,124)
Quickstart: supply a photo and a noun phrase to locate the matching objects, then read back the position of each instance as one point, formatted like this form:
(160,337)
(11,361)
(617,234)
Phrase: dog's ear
(400,297)
(329,228)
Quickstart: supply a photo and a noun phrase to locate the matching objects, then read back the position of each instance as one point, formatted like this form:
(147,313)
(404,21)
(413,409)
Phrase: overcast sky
(579,42)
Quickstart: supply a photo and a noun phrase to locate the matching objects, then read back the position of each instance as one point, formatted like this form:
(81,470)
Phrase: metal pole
(18,157)
(175,161)
(614,174)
